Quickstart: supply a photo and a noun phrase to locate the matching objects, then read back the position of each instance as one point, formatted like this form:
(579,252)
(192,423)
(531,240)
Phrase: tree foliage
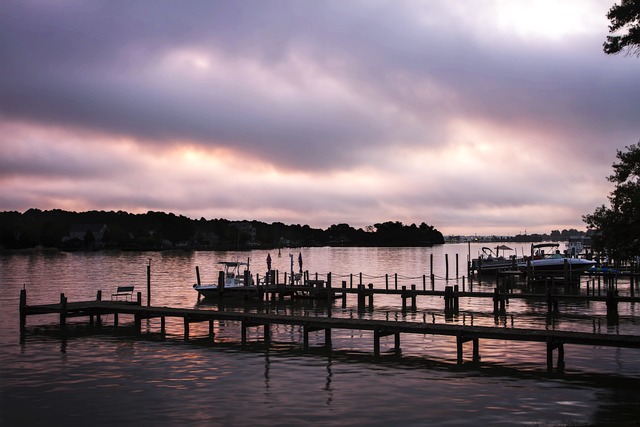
(618,226)
(159,230)
(624,19)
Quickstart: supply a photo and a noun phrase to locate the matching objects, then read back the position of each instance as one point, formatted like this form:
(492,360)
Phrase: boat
(546,260)
(233,278)
(491,262)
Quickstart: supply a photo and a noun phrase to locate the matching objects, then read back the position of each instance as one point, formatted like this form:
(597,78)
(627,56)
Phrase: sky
(476,116)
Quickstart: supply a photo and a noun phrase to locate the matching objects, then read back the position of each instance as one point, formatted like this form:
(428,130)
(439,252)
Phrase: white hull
(557,265)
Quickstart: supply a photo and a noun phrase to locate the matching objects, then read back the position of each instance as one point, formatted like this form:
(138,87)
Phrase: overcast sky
(474,116)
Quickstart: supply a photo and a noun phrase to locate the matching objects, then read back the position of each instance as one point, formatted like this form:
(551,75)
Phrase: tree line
(158,230)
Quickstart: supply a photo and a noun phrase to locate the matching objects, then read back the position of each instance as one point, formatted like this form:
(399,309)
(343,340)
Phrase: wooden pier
(95,310)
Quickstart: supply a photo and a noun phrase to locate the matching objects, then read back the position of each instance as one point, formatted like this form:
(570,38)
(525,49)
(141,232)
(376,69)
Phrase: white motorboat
(235,277)
(546,259)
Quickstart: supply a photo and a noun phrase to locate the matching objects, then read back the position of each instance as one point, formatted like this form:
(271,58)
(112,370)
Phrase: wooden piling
(361,299)
(149,283)
(220,283)
(431,265)
(63,312)
(404,299)
(414,302)
(23,312)
(185,320)
(455,298)
(446,266)
(344,294)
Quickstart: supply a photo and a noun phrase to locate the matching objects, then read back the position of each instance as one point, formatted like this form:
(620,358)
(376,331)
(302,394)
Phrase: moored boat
(235,277)
(491,262)
(546,260)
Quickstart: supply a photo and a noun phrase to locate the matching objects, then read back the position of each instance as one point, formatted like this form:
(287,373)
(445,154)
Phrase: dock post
(149,283)
(455,298)
(186,328)
(361,299)
(63,311)
(327,338)
(550,347)
(344,294)
(431,268)
(612,303)
(448,300)
(139,298)
(370,296)
(404,299)
(98,317)
(305,337)
(376,342)
(476,350)
(360,275)
(330,294)
(550,302)
(386,281)
(247,277)
(395,281)
(211,333)
(138,324)
(267,334)
(424,282)
(243,334)
(459,343)
(433,281)
(23,312)
(397,343)
(414,303)
(163,329)
(496,301)
(220,283)
(446,266)
(456,266)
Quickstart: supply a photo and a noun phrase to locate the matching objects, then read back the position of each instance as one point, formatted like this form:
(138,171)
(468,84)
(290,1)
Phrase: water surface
(111,379)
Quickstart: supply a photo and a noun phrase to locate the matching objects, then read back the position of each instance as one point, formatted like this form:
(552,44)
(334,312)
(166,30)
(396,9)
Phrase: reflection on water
(118,378)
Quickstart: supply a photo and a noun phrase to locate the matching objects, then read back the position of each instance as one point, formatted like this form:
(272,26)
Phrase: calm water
(105,379)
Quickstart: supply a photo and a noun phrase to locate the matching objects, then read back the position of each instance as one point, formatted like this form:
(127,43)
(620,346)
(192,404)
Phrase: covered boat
(490,262)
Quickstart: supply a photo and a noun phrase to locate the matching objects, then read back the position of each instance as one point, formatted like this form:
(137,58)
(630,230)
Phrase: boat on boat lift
(236,274)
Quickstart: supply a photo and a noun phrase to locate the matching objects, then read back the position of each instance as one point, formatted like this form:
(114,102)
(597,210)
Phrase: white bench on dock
(125,292)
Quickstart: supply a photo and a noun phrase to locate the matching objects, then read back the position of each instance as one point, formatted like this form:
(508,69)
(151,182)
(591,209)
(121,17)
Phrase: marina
(345,341)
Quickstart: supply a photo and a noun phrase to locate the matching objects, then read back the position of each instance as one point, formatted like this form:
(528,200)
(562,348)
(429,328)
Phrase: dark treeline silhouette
(157,230)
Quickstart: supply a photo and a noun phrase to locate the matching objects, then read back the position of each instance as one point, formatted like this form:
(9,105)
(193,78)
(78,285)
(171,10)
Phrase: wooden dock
(554,340)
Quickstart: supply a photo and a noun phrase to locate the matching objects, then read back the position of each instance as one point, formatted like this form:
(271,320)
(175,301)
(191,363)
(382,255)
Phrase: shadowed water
(102,378)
